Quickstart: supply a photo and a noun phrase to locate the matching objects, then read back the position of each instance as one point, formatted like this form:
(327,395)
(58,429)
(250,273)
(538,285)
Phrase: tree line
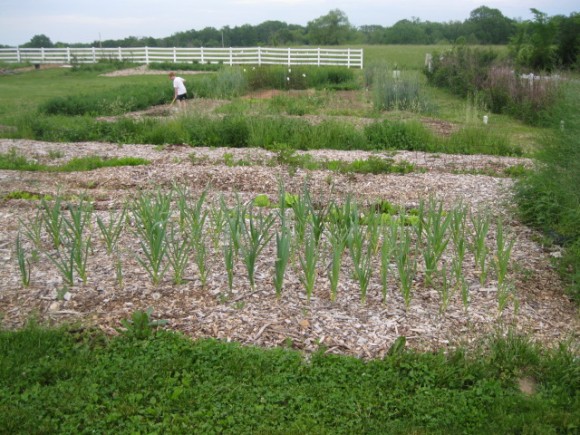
(558,36)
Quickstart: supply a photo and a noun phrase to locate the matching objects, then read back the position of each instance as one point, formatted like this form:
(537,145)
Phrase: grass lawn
(62,381)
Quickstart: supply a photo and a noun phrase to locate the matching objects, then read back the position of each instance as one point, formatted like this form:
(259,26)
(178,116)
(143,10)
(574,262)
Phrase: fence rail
(352,58)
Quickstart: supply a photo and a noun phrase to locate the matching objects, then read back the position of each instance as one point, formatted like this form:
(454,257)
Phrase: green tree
(568,40)
(489,26)
(534,45)
(406,32)
(330,29)
(39,41)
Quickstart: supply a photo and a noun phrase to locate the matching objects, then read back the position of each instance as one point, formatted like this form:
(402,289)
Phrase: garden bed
(255,315)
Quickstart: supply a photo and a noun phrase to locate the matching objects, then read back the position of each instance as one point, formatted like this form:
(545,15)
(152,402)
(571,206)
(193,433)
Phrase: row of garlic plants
(426,247)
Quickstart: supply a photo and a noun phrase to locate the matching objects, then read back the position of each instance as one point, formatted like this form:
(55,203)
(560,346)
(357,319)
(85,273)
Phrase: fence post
(231,57)
(68,55)
(18,54)
(348,58)
(318,59)
(289,56)
(146,55)
(201,55)
(42,54)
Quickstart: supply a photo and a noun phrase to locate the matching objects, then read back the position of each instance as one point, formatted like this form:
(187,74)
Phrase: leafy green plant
(53,220)
(178,252)
(151,213)
(140,326)
(445,290)
(390,234)
(478,245)
(406,265)
(255,236)
(111,231)
(64,260)
(75,225)
(308,263)
(436,237)
(23,263)
(218,222)
(282,257)
(33,229)
(337,238)
(261,200)
(229,254)
(363,268)
(196,217)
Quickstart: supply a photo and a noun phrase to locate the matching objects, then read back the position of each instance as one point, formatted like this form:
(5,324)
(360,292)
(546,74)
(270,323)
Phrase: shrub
(461,70)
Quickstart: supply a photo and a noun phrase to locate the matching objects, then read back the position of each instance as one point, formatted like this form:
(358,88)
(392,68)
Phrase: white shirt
(179,85)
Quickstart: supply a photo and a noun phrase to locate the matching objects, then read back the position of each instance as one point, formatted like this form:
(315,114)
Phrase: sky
(85,21)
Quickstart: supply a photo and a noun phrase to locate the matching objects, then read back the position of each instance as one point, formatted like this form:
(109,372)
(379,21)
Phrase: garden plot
(357,307)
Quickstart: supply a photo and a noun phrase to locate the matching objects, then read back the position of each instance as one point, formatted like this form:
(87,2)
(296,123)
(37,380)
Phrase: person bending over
(179,90)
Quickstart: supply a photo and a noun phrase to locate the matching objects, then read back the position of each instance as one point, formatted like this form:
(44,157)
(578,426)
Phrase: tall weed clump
(527,99)
(548,197)
(226,83)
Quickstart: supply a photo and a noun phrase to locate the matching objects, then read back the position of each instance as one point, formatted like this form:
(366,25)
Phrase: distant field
(406,57)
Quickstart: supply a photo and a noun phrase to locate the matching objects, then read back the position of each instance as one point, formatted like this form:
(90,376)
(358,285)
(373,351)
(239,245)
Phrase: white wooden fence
(230,56)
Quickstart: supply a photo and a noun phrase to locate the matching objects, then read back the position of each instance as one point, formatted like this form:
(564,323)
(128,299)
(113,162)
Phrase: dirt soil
(346,326)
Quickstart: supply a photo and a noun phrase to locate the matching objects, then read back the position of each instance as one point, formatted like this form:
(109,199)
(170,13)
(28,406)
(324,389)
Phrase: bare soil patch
(346,326)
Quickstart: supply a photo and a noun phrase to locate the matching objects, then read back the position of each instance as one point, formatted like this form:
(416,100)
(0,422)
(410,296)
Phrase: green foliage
(399,135)
(101,66)
(462,70)
(229,82)
(28,196)
(91,163)
(171,383)
(12,160)
(479,140)
(548,197)
(300,77)
(15,161)
(243,131)
(111,102)
(262,200)
(395,90)
(465,71)
(534,45)
(140,326)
